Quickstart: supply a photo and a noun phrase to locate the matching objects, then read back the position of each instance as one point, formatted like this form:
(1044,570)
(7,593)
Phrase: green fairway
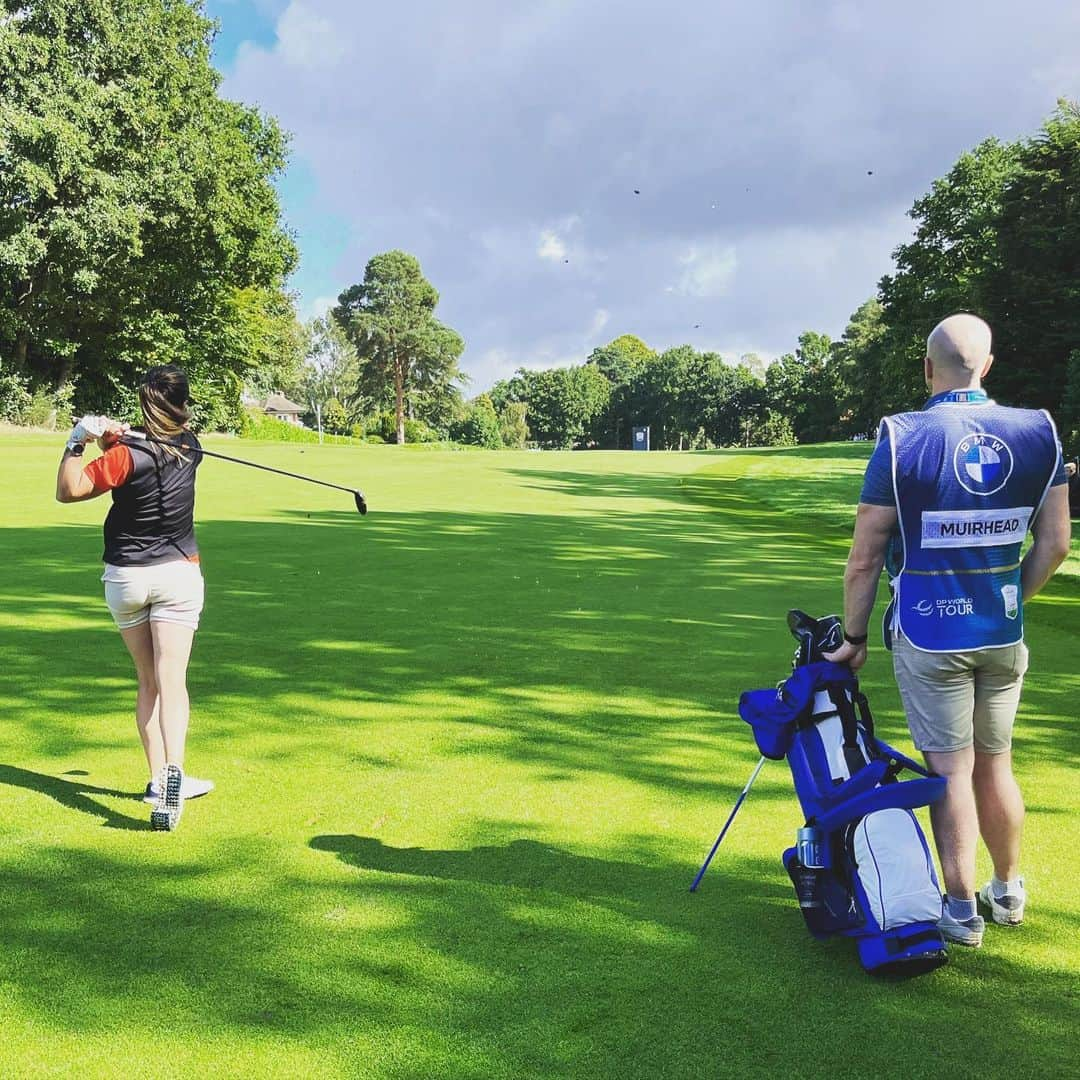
(470,751)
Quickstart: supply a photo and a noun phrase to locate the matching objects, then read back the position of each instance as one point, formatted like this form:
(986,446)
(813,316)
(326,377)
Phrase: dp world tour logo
(982,463)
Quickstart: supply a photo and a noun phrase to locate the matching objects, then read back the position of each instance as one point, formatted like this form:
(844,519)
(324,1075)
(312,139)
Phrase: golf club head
(360,504)
(815,636)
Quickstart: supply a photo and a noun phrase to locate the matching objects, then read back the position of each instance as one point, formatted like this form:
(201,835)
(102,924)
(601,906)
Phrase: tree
(480,427)
(803,386)
(138,219)
(513,425)
(1032,287)
(619,361)
(859,358)
(947,267)
(391,322)
(331,374)
(562,402)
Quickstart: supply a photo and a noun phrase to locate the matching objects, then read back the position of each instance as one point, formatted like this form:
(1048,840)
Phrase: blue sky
(720,174)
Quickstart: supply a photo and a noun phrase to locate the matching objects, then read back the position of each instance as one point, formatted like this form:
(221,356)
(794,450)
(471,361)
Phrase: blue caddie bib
(969,476)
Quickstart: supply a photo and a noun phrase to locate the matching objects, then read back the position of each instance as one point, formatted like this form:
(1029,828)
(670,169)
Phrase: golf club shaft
(240,461)
(731,818)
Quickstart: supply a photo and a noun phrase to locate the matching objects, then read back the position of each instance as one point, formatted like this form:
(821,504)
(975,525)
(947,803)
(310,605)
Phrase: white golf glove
(87,430)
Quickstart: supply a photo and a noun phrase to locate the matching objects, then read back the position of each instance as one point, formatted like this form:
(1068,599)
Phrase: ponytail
(163,397)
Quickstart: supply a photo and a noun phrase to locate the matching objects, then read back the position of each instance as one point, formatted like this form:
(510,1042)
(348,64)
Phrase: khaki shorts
(164,592)
(953,700)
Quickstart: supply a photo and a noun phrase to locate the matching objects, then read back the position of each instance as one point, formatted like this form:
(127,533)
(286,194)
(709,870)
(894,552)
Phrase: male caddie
(948,498)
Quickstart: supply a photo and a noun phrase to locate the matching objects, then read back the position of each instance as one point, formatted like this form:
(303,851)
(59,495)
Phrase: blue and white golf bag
(861,865)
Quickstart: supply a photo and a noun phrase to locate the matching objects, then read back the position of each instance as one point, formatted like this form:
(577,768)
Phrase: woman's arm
(72,484)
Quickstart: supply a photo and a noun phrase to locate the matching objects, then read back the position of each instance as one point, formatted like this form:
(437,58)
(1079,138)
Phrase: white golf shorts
(164,592)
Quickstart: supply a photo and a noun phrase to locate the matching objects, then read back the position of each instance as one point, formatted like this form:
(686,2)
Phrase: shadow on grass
(575,939)
(504,960)
(614,642)
(577,645)
(73,795)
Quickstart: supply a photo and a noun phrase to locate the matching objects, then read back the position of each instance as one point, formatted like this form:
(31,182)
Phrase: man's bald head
(959,346)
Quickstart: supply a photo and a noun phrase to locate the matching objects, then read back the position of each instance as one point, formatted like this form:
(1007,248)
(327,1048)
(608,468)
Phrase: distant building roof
(279,403)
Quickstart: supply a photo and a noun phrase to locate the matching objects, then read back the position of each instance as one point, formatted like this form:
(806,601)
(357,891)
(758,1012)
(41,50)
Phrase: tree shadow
(587,935)
(73,795)
(613,643)
(586,645)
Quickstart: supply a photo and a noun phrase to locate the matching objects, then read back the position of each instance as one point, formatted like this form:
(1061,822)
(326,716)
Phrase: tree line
(139,224)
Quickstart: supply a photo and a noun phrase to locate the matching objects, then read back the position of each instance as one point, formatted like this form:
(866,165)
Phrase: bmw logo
(982,463)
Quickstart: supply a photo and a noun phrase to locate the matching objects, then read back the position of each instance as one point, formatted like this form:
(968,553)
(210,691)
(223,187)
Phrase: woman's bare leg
(172,649)
(140,644)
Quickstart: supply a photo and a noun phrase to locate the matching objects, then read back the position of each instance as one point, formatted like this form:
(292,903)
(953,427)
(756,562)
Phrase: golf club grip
(240,461)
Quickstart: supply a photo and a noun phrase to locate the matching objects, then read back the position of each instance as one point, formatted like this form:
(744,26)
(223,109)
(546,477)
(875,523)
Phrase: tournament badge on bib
(1011,595)
(983,463)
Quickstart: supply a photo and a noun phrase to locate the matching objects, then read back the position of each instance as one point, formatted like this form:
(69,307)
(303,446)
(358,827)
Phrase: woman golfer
(153,584)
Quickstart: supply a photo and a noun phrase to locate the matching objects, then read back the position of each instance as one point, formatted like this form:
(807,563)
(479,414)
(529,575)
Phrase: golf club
(361,504)
(727,824)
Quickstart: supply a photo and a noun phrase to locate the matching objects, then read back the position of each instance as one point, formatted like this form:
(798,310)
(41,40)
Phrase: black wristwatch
(76,450)
(855,639)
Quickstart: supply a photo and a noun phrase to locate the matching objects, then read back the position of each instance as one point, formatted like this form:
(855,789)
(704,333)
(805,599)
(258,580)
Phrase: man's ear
(928,371)
(986,366)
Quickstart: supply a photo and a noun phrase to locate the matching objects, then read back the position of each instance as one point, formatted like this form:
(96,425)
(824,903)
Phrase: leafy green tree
(331,373)
(138,219)
(1033,285)
(562,402)
(769,428)
(859,359)
(655,397)
(480,427)
(620,361)
(390,319)
(335,419)
(803,386)
(513,425)
(947,267)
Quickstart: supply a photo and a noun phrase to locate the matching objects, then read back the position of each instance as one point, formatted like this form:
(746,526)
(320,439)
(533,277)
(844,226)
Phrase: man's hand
(873,528)
(852,655)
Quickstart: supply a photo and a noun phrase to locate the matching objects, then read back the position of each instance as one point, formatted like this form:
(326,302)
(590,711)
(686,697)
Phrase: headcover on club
(815,636)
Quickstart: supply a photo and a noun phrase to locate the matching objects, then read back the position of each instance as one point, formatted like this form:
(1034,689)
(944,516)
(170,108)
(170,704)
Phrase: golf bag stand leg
(731,818)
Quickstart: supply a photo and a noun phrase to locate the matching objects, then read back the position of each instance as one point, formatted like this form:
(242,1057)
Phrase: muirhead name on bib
(974,528)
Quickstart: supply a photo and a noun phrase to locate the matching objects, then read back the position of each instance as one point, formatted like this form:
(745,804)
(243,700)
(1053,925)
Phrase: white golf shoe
(191,788)
(1007,910)
(169,806)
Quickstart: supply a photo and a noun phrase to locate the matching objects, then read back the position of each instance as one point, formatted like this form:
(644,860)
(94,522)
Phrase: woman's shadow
(72,794)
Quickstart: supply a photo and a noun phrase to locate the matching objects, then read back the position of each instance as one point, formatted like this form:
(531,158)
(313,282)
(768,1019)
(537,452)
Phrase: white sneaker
(169,806)
(1007,910)
(191,788)
(969,932)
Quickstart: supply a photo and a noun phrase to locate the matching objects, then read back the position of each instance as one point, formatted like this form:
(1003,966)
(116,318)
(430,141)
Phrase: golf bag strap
(864,711)
(900,944)
(853,754)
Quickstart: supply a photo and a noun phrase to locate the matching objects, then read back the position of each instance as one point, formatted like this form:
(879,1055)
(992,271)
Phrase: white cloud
(551,246)
(510,144)
(599,320)
(708,270)
(307,40)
